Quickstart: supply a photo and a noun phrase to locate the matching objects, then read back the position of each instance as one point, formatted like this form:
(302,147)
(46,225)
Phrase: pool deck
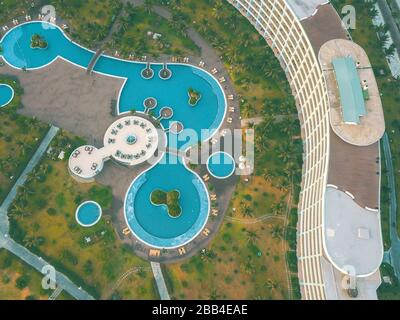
(47,96)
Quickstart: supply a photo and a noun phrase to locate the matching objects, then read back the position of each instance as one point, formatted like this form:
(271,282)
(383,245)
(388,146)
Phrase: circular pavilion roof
(131,140)
(86,161)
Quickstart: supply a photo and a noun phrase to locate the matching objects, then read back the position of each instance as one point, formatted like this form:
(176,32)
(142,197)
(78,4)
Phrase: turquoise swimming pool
(208,113)
(221,165)
(148,222)
(88,213)
(152,223)
(6,94)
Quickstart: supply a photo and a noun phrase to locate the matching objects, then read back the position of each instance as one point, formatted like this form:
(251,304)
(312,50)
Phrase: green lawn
(240,263)
(19,281)
(11,9)
(133,38)
(19,138)
(43,219)
(89,20)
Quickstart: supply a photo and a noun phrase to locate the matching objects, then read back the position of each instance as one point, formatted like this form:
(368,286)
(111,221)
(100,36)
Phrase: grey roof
(352,234)
(305,8)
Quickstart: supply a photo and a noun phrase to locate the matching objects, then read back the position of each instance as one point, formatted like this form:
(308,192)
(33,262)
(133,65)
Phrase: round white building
(130,141)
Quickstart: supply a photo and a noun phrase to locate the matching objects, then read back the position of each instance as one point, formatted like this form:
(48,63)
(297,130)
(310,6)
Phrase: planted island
(194,97)
(169,199)
(38,42)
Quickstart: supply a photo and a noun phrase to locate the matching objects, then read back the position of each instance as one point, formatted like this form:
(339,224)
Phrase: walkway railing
(94,60)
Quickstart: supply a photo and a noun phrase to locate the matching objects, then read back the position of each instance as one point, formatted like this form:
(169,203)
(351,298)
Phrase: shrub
(22,282)
(51,211)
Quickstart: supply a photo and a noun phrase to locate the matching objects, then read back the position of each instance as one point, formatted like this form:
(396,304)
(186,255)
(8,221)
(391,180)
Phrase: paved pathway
(20,251)
(255,121)
(390,22)
(4,223)
(38,263)
(162,288)
(394,252)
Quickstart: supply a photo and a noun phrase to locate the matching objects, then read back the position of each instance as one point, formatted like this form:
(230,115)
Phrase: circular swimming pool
(153,224)
(221,165)
(88,213)
(6,94)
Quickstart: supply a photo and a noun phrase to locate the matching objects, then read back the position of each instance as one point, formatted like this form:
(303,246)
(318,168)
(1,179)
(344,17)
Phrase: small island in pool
(38,42)
(170,199)
(194,97)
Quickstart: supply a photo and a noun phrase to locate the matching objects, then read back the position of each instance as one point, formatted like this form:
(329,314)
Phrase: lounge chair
(126,231)
(154,253)
(206,232)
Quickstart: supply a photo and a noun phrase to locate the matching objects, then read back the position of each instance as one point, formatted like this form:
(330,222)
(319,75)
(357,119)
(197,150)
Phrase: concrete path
(38,263)
(161,286)
(4,223)
(20,251)
(394,251)
(390,22)
(255,121)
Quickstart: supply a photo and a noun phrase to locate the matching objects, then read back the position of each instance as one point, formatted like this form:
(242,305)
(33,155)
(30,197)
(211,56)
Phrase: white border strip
(12,95)
(97,220)
(229,156)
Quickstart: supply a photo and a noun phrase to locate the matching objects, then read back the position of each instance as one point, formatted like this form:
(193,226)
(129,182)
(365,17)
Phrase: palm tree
(390,51)
(208,255)
(248,266)
(252,236)
(277,231)
(277,208)
(246,211)
(148,5)
(284,185)
(267,175)
(29,241)
(214,295)
(373,12)
(270,285)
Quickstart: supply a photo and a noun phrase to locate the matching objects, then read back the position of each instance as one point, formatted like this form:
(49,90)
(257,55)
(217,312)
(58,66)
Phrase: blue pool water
(152,223)
(6,94)
(208,113)
(221,165)
(88,213)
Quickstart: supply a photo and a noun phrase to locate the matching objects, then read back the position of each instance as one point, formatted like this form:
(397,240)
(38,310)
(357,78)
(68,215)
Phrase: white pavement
(162,288)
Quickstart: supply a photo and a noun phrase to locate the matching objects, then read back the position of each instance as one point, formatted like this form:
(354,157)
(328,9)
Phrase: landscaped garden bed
(194,97)
(169,199)
(38,42)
